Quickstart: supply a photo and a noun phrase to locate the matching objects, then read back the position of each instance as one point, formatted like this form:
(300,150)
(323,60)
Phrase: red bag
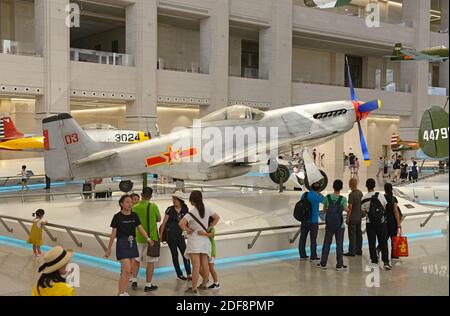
(400,245)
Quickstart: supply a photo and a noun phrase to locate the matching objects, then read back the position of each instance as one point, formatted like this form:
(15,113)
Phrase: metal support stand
(53,238)
(25,228)
(75,240)
(9,230)
(426,220)
(294,238)
(100,241)
(250,245)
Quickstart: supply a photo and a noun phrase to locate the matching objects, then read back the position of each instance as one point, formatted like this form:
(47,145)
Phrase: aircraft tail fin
(395,141)
(397,53)
(434,133)
(65,143)
(8,130)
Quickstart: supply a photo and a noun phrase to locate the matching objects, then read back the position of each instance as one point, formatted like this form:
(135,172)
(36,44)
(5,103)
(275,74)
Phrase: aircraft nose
(362,110)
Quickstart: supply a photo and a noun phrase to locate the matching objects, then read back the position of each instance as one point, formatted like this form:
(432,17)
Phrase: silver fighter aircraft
(212,150)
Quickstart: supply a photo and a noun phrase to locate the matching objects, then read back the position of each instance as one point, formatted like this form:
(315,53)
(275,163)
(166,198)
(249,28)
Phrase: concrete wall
(168,118)
(98,77)
(179,48)
(17,23)
(310,65)
(13,68)
(341,26)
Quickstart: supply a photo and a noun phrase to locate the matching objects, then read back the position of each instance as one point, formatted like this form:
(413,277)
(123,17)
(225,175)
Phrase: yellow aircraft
(13,140)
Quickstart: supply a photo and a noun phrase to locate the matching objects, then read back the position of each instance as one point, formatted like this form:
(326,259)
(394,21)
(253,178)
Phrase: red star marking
(170,156)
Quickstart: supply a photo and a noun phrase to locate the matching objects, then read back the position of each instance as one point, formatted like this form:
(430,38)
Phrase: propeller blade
(370,106)
(350,81)
(364,149)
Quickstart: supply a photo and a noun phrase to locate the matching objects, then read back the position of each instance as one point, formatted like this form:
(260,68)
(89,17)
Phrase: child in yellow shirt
(35,237)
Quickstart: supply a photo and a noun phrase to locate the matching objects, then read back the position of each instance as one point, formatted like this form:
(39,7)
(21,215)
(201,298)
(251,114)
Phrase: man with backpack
(334,206)
(307,211)
(374,205)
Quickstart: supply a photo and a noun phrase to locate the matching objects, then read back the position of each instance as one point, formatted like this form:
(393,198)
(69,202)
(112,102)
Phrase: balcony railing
(98,57)
(392,87)
(16,48)
(191,67)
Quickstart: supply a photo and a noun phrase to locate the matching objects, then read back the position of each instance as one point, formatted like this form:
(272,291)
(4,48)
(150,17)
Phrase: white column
(444,76)
(214,54)
(444,15)
(52,38)
(337,69)
(444,67)
(416,72)
(276,53)
(141,42)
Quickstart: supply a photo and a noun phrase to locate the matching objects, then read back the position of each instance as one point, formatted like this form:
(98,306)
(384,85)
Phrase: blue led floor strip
(36,186)
(434,203)
(262,258)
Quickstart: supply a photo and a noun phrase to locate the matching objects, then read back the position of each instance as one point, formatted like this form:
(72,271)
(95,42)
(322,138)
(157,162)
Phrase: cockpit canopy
(234,113)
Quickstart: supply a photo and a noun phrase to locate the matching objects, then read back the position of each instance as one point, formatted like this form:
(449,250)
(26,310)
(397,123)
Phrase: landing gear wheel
(323,183)
(125,186)
(281,175)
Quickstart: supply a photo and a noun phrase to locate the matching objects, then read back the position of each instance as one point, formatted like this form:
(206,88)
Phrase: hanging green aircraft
(434,133)
(326,4)
(433,54)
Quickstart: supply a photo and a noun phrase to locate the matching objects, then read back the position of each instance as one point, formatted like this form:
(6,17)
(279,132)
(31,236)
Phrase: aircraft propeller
(362,110)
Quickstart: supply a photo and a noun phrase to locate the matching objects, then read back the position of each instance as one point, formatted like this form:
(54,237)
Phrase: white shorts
(143,258)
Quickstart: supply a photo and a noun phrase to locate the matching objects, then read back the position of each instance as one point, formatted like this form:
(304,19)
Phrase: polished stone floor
(425,272)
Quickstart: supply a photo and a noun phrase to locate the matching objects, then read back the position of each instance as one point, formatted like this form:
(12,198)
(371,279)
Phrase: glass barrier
(437,91)
(16,48)
(98,57)
(191,67)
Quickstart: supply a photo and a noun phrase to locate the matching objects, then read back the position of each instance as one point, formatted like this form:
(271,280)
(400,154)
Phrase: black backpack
(396,165)
(376,213)
(333,217)
(352,159)
(303,209)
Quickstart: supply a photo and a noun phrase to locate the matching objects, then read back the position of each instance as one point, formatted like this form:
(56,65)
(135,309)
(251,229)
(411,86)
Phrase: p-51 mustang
(13,140)
(71,154)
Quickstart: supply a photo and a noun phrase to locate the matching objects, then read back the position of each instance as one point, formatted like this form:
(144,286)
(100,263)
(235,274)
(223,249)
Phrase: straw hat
(179,195)
(55,259)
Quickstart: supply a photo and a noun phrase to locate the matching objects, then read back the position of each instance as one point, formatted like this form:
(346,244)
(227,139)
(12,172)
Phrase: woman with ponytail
(393,213)
(198,250)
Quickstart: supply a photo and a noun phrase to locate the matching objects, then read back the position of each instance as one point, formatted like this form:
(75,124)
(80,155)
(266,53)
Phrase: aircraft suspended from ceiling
(70,154)
(13,140)
(437,54)
(326,4)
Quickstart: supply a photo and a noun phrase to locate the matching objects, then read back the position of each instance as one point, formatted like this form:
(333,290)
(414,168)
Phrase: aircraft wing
(96,157)
(416,55)
(243,155)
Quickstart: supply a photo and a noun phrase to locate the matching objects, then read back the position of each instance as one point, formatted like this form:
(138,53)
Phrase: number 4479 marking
(71,139)
(435,134)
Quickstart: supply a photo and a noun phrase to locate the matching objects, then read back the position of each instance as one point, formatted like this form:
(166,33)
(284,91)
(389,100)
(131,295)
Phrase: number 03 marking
(71,139)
